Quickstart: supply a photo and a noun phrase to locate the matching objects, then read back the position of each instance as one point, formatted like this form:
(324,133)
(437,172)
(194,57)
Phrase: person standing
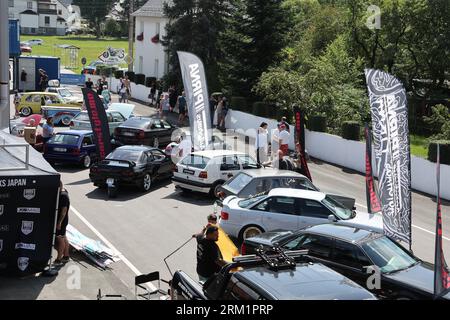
(173,98)
(209,257)
(274,146)
(223,114)
(127,84)
(89,84)
(165,106)
(43,80)
(48,130)
(261,143)
(212,108)
(23,79)
(152,94)
(99,86)
(182,108)
(184,147)
(284,121)
(212,220)
(62,244)
(284,139)
(106,97)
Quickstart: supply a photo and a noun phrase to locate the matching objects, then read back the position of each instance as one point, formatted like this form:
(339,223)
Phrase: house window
(33,30)
(141,64)
(11,3)
(30,5)
(47,20)
(156,68)
(60,12)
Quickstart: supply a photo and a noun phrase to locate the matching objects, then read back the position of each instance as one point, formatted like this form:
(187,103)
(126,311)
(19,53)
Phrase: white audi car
(289,209)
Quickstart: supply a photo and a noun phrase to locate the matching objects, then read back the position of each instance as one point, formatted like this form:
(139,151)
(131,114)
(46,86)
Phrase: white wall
(347,153)
(29,21)
(149,51)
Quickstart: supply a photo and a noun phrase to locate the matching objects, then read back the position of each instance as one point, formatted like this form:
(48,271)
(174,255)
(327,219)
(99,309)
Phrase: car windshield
(238,183)
(65,93)
(250,201)
(83,116)
(338,208)
(125,154)
(388,255)
(64,139)
(195,161)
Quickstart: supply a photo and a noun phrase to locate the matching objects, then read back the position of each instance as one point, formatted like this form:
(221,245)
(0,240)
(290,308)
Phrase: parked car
(252,182)
(31,102)
(294,277)
(289,209)
(25,49)
(349,251)
(92,67)
(146,131)
(35,42)
(116,114)
(131,165)
(205,171)
(76,147)
(66,94)
(61,115)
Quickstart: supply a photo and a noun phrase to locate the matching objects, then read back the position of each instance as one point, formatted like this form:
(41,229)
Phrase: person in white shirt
(283,139)
(274,143)
(185,146)
(261,143)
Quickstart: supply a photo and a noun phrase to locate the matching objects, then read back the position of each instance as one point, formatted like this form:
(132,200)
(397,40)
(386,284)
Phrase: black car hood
(421,276)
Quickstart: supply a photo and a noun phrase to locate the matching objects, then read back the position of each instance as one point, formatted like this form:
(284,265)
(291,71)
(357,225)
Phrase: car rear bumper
(65,158)
(118,180)
(192,185)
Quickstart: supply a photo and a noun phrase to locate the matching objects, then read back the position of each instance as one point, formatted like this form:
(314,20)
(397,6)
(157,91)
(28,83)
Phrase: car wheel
(66,121)
(112,192)
(146,182)
(215,189)
(26,111)
(86,162)
(250,231)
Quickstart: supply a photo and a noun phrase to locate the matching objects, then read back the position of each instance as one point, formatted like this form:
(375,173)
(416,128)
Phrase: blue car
(71,147)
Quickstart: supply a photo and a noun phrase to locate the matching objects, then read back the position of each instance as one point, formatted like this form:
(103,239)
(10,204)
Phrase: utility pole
(131,36)
(4,65)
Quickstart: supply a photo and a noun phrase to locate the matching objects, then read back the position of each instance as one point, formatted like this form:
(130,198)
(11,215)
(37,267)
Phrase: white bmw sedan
(289,209)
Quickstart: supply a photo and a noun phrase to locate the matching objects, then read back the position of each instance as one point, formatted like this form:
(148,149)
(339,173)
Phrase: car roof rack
(275,258)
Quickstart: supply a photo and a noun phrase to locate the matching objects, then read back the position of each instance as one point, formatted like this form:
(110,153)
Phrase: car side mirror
(332,218)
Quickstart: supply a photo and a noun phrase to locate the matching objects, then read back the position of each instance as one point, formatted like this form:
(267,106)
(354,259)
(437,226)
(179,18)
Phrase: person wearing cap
(209,257)
(283,139)
(212,221)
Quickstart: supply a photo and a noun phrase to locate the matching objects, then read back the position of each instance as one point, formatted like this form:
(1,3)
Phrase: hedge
(238,103)
(149,81)
(140,78)
(351,130)
(131,75)
(444,151)
(317,123)
(118,74)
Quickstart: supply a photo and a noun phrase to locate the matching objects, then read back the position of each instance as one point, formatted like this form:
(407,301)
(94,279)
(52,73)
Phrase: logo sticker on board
(1,209)
(1,245)
(27,227)
(22,263)
(29,193)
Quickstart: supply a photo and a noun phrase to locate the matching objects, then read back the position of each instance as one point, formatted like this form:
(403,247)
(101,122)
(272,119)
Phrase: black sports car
(131,165)
(350,251)
(145,131)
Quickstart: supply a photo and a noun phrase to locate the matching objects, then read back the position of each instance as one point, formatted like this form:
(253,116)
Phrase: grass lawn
(419,145)
(90,47)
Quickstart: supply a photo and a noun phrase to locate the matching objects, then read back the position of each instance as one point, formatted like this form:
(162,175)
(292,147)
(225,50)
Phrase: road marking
(111,246)
(414,226)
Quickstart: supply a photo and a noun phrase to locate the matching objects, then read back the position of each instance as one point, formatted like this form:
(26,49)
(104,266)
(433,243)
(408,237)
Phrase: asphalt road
(146,228)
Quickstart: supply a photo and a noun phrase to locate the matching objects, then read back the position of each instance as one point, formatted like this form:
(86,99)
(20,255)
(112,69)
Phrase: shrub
(118,74)
(317,123)
(261,109)
(351,130)
(131,75)
(139,78)
(149,81)
(238,103)
(444,151)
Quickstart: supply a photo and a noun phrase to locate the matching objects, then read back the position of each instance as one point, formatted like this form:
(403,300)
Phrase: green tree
(195,26)
(94,12)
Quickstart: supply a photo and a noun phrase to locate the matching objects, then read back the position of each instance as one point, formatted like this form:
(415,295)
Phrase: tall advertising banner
(300,140)
(441,270)
(99,122)
(391,138)
(194,81)
(373,202)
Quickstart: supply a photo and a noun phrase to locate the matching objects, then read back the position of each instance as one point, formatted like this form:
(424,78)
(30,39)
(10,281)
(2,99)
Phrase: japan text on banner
(196,89)
(391,139)
(99,122)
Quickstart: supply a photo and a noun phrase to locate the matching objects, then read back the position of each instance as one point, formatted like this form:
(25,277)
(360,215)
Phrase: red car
(25,49)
